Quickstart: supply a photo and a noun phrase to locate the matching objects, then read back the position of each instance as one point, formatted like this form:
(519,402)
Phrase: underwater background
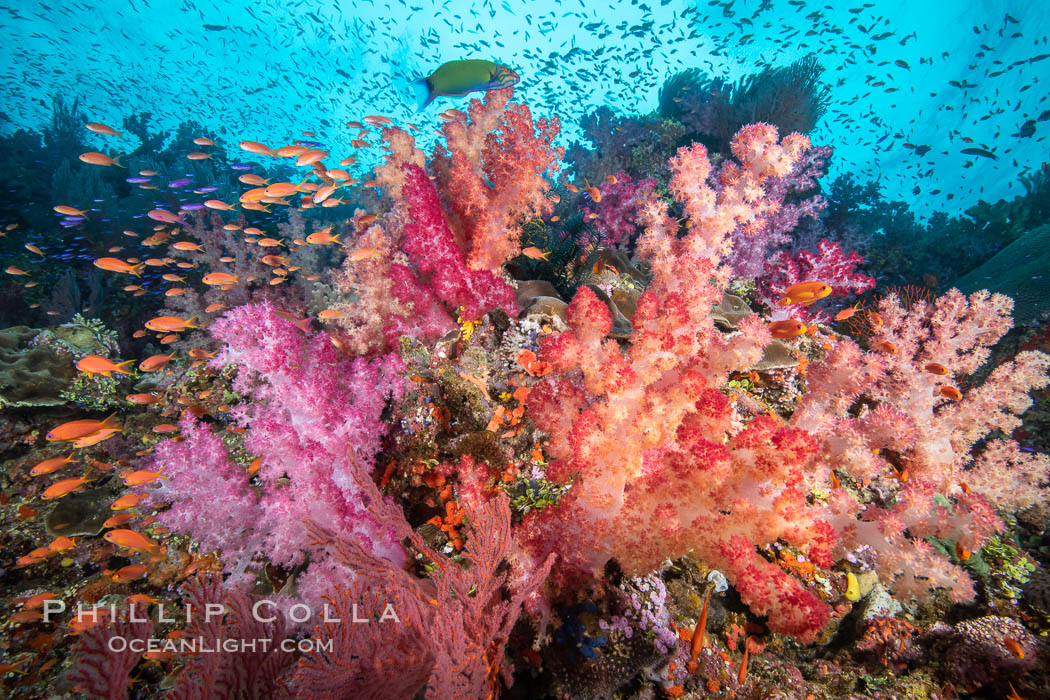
(637,349)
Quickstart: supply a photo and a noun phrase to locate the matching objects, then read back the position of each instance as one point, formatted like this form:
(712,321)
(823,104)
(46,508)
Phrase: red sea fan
(453,625)
(252,657)
(101,672)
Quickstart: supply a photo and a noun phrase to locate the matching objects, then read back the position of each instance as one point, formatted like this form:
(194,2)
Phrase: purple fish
(137,180)
(240,166)
(180,183)
(206,190)
(191,207)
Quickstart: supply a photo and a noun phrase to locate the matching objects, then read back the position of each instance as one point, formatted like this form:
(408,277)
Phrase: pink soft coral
(915,443)
(616,215)
(315,421)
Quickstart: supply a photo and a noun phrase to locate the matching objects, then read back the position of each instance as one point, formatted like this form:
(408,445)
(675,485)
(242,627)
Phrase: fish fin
(108,422)
(137,269)
(335,238)
(121,364)
(190,319)
(424,93)
(116,162)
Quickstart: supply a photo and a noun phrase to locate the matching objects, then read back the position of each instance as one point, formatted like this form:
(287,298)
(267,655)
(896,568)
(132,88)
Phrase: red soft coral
(492,176)
(432,248)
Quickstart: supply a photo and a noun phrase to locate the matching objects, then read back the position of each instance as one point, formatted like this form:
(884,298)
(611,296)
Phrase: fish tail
(335,239)
(189,320)
(137,269)
(121,364)
(424,92)
(108,422)
(116,162)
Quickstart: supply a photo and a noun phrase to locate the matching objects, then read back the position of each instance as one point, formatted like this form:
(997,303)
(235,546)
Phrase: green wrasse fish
(457,78)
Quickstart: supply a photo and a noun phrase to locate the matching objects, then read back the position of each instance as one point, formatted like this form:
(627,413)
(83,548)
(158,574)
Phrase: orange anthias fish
(129,573)
(258,148)
(62,488)
(1013,647)
(141,477)
(936,368)
(170,324)
(218,204)
(69,211)
(950,392)
(323,238)
(282,189)
(94,158)
(788,328)
(100,128)
(126,502)
(254,180)
(143,399)
(135,541)
(94,364)
(804,293)
(80,428)
(118,265)
(61,544)
(118,520)
(535,253)
(848,312)
(220,279)
(51,465)
(699,634)
(96,437)
(154,363)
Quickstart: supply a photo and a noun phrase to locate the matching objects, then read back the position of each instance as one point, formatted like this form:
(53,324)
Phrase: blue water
(268,71)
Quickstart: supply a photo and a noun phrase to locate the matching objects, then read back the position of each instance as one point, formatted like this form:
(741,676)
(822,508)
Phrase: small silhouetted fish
(922,150)
(1027,129)
(240,166)
(214,27)
(984,153)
